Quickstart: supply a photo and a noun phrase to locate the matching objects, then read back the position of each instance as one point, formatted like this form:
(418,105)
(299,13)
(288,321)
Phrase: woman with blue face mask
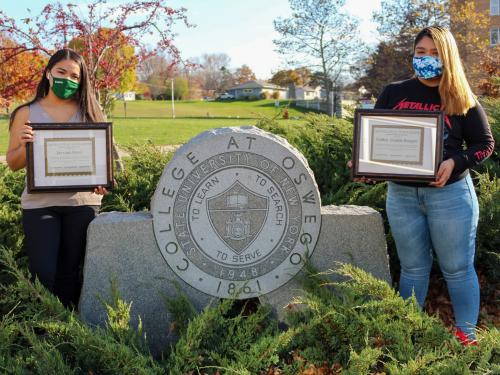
(55,224)
(440,217)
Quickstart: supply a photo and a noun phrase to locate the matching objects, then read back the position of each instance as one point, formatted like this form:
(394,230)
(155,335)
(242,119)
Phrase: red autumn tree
(103,33)
(490,67)
(116,69)
(18,73)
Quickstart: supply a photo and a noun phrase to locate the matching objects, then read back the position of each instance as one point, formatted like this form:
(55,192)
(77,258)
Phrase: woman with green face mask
(55,224)
(64,88)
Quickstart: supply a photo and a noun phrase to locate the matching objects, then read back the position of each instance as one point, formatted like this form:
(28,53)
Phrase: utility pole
(172,97)
(331,103)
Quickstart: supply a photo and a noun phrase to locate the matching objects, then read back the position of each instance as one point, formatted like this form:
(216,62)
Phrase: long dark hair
(90,110)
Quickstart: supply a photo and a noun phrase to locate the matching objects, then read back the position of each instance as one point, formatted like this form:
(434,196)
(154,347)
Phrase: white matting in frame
(70,157)
(397,145)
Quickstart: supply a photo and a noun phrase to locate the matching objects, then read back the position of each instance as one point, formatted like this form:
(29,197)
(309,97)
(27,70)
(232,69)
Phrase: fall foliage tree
(181,88)
(154,73)
(299,76)
(157,65)
(304,74)
(142,90)
(285,77)
(400,20)
(470,29)
(18,73)
(126,23)
(398,23)
(116,70)
(387,64)
(490,66)
(243,74)
(211,73)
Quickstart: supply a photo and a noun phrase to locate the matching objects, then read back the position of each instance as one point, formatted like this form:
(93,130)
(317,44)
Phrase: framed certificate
(69,157)
(397,145)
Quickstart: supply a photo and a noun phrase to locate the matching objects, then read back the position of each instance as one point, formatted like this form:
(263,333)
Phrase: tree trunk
(329,97)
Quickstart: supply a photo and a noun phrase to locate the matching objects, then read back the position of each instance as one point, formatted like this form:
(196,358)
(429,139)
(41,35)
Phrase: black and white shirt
(471,129)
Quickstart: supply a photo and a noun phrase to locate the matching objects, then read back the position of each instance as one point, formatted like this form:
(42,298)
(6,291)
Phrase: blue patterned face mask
(427,67)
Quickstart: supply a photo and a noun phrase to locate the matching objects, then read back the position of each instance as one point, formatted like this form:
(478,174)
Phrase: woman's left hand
(101,190)
(444,173)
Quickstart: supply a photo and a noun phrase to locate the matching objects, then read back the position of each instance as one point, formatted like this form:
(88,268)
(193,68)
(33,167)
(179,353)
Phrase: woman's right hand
(26,134)
(21,133)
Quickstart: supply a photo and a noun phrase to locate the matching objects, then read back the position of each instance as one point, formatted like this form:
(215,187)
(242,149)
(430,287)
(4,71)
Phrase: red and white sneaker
(464,339)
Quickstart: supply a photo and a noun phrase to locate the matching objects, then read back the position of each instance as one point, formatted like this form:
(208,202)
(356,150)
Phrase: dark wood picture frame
(52,126)
(438,147)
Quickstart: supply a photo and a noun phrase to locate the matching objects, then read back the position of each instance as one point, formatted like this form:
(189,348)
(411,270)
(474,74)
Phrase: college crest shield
(237,215)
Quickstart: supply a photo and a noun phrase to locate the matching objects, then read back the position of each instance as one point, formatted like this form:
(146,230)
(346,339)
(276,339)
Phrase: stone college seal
(236,212)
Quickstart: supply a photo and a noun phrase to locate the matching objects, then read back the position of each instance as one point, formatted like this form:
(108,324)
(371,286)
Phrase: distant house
(304,92)
(254,89)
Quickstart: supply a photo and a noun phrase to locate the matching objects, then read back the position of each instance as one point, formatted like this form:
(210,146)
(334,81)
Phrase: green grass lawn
(4,135)
(129,131)
(151,120)
(205,109)
(171,131)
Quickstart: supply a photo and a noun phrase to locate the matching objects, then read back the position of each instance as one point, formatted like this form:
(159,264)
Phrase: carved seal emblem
(236,212)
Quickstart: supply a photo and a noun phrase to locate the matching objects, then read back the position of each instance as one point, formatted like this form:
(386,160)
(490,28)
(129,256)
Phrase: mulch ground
(438,302)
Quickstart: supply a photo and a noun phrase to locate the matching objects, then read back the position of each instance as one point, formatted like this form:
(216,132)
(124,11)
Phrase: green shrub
(487,182)
(11,187)
(272,125)
(359,325)
(492,164)
(488,234)
(326,144)
(39,336)
(136,184)
(245,344)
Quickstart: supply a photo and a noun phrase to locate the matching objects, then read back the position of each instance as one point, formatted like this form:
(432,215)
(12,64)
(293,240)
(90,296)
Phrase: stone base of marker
(121,248)
(349,234)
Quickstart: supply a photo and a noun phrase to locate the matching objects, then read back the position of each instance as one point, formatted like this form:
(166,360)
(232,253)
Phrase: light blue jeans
(444,219)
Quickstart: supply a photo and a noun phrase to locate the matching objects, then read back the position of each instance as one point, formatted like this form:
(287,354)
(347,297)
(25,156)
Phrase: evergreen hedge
(359,326)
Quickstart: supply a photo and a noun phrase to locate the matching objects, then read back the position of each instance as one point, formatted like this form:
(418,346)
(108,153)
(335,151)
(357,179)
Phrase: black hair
(90,110)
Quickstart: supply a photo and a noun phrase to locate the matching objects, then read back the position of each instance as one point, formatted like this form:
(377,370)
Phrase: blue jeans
(444,219)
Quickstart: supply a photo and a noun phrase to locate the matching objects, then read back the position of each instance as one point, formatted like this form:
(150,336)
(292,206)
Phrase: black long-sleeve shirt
(471,129)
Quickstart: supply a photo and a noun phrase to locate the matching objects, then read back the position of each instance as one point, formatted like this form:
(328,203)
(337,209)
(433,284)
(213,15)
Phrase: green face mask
(64,88)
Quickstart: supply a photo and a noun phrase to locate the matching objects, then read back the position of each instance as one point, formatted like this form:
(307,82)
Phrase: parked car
(225,96)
